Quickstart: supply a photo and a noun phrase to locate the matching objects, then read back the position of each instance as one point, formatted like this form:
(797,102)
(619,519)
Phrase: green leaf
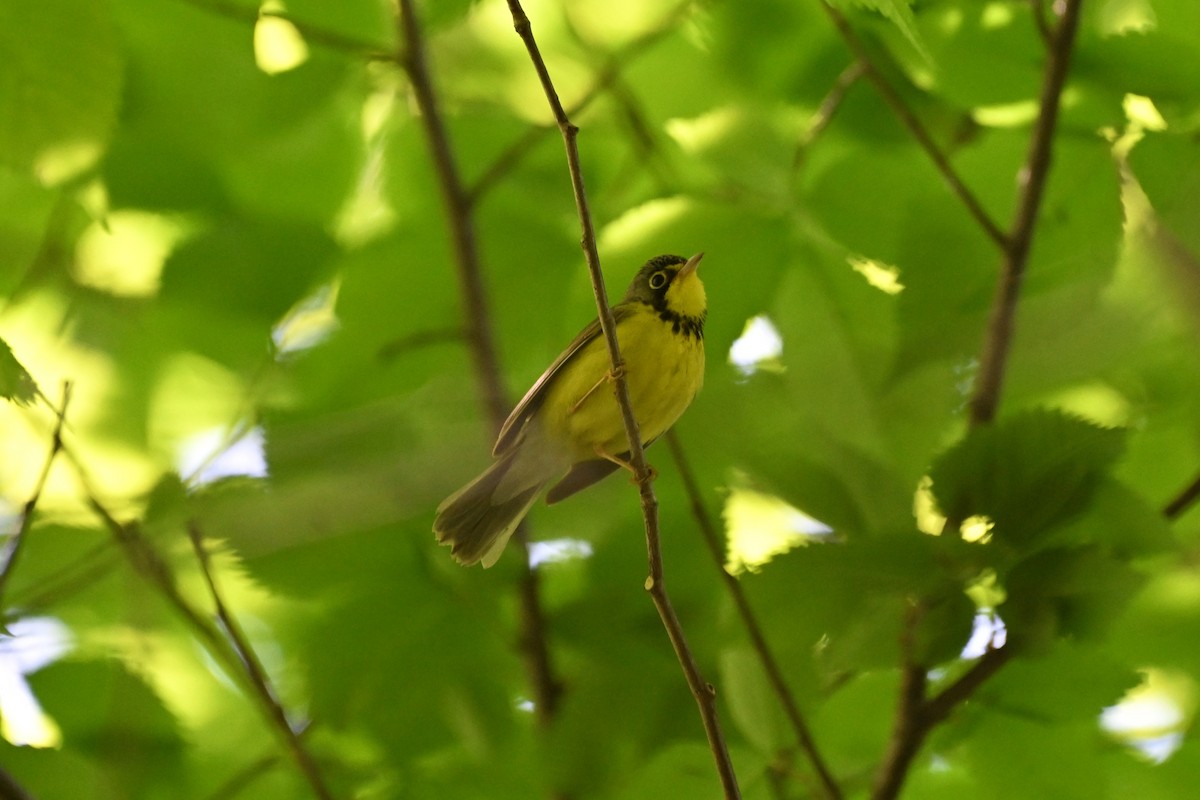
(899,13)
(943,628)
(16,384)
(59,98)
(1072,682)
(1008,754)
(683,769)
(753,705)
(113,717)
(1165,166)
(55,774)
(1067,593)
(1027,472)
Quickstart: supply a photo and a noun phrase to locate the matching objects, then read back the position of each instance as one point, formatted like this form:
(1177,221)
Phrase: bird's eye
(658,280)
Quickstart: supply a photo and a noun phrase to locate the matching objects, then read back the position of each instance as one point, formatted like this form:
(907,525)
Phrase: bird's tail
(477,520)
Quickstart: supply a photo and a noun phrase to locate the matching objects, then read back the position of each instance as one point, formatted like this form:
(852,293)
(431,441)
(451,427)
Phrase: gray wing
(510,431)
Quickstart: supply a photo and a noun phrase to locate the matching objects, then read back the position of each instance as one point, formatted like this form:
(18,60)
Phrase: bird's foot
(651,472)
(608,377)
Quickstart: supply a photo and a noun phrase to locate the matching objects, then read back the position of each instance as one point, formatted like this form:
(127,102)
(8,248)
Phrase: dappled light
(1154,716)
(759,347)
(278,45)
(760,527)
(922,522)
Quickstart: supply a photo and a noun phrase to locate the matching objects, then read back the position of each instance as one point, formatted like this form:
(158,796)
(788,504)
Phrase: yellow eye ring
(658,280)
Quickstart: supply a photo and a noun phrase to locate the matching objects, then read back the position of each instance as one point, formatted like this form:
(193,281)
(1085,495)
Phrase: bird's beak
(690,266)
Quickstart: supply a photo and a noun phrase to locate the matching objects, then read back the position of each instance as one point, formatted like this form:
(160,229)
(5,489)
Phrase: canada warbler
(566,423)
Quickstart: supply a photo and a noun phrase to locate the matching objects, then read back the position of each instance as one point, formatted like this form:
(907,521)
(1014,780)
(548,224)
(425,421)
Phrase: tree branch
(758,640)
(702,691)
(10,789)
(1038,9)
(512,156)
(916,716)
(1183,501)
(940,705)
(998,338)
(16,543)
(911,726)
(255,672)
(532,639)
(245,777)
(150,565)
(914,126)
(825,112)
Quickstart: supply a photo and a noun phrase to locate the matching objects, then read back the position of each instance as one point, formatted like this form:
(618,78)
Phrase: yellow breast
(663,370)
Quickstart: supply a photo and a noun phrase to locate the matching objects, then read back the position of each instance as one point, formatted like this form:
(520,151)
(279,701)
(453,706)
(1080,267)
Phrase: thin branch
(916,716)
(702,691)
(944,702)
(415,341)
(532,638)
(311,33)
(246,777)
(910,727)
(998,337)
(255,672)
(88,569)
(150,565)
(10,789)
(770,665)
(16,543)
(508,160)
(1038,9)
(1183,501)
(476,313)
(914,126)
(827,109)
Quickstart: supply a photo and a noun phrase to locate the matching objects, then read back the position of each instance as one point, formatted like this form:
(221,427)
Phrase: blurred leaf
(59,100)
(899,13)
(1067,593)
(1026,472)
(753,704)
(684,769)
(943,628)
(309,291)
(56,774)
(16,384)
(110,715)
(1073,682)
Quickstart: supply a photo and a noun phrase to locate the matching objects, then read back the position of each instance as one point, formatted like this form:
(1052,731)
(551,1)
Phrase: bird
(568,429)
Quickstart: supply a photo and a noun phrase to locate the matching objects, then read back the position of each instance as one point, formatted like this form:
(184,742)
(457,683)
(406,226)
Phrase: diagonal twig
(608,75)
(533,643)
(938,707)
(825,112)
(1183,501)
(151,566)
(254,671)
(16,543)
(759,641)
(702,691)
(914,126)
(10,789)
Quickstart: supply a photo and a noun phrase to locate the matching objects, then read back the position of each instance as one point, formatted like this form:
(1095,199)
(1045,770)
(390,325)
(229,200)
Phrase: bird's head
(671,284)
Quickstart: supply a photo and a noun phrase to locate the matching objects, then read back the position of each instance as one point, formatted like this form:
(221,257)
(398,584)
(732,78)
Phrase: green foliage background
(199,245)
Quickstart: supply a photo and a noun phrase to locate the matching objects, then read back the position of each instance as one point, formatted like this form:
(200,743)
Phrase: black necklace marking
(688,326)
